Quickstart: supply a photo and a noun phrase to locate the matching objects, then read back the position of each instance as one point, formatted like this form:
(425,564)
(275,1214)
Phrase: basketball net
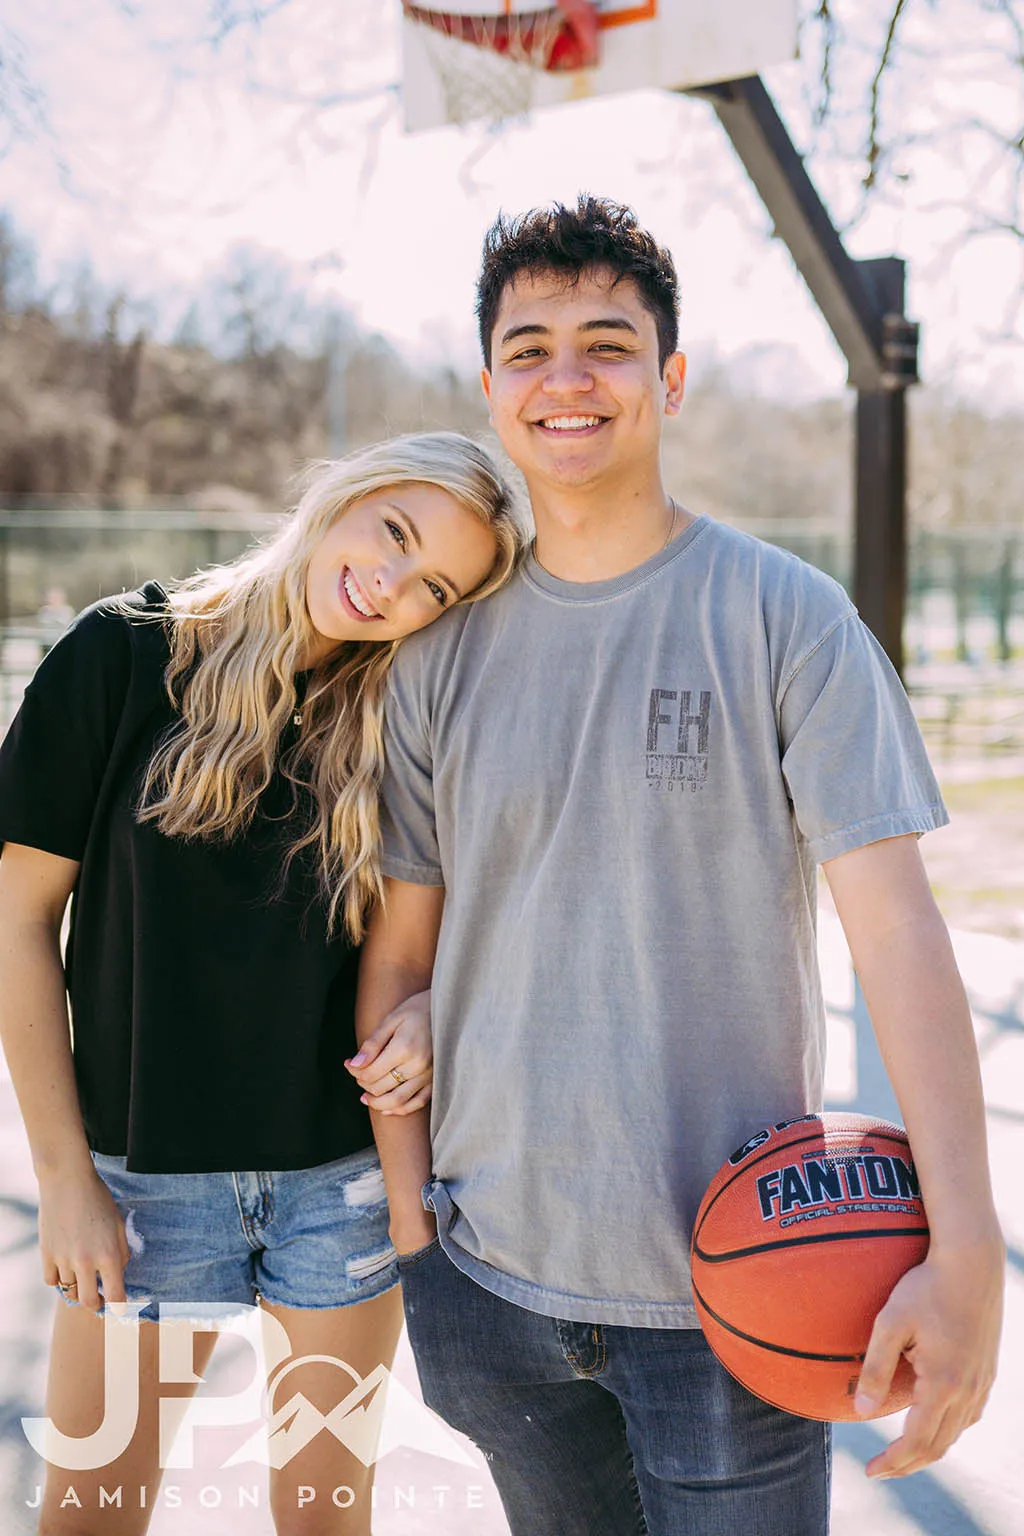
(488,66)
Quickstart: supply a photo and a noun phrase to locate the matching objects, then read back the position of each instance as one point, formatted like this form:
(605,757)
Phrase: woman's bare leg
(364,1337)
(75,1403)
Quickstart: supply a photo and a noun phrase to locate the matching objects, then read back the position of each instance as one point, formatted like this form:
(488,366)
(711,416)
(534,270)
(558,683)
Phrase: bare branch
(1010,11)
(825,17)
(226,16)
(873,151)
(23,112)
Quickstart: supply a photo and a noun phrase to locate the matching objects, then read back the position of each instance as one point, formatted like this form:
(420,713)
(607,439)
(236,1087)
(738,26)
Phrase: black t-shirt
(211,1012)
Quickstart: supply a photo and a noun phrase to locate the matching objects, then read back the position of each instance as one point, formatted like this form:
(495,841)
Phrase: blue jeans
(595,1430)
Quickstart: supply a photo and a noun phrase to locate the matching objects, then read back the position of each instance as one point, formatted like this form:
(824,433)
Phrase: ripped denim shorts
(309,1237)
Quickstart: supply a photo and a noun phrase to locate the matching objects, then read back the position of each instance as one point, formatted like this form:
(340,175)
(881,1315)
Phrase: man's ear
(485,383)
(674,376)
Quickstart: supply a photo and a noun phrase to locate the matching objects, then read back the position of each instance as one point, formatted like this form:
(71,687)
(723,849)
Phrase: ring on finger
(399,1077)
(67,1287)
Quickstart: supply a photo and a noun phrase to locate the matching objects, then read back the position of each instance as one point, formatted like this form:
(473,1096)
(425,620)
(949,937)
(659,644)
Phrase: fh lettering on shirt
(678,738)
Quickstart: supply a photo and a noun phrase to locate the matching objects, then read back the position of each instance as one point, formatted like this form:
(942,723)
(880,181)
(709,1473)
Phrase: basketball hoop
(488,63)
(499,59)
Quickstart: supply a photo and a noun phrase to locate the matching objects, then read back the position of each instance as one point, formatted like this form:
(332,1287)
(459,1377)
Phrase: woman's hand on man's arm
(394,1065)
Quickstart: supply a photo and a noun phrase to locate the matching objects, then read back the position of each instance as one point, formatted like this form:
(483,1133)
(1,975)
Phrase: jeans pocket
(417,1255)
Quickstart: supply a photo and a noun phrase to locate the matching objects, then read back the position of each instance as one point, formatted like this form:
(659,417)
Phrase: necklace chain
(672,524)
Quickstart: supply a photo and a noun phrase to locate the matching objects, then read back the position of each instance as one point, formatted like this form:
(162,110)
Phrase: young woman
(198,765)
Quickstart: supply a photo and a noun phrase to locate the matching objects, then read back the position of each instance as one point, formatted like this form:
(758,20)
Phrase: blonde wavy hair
(238,632)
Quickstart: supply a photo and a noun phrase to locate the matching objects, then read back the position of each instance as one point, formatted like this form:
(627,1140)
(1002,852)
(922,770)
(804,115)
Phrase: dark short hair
(569,242)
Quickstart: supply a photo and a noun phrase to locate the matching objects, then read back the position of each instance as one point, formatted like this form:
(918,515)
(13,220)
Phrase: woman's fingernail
(357,1061)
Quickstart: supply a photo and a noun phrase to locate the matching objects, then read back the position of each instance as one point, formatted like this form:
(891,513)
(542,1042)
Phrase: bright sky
(173,151)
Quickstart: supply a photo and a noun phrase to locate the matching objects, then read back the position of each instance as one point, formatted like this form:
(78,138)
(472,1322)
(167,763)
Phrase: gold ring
(399,1079)
(66,1289)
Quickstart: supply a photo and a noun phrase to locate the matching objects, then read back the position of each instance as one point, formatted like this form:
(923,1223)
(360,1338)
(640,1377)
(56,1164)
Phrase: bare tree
(23,112)
(898,91)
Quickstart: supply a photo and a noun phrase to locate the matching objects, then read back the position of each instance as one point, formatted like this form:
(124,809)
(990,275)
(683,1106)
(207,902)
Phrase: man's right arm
(397,960)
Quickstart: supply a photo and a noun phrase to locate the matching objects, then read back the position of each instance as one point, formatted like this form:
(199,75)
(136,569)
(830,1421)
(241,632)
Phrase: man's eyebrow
(403,514)
(614,323)
(524,330)
(611,323)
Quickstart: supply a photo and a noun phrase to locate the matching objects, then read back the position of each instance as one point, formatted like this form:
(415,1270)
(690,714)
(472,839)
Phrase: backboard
(673,44)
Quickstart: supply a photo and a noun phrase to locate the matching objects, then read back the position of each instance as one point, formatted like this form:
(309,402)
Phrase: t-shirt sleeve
(408,825)
(56,752)
(853,760)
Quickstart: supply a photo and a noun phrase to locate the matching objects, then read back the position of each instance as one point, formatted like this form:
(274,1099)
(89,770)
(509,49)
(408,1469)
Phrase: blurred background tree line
(153,427)
(93,406)
(224,413)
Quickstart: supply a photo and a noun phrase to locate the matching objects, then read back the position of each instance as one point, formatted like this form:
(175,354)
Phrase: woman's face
(393,563)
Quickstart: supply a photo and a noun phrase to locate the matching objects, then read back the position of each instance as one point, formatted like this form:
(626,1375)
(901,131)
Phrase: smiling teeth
(357,600)
(571,423)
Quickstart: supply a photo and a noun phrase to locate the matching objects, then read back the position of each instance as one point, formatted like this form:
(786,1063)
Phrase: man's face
(574,386)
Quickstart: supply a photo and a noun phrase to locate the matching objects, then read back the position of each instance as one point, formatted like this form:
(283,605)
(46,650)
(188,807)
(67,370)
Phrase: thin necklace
(671,526)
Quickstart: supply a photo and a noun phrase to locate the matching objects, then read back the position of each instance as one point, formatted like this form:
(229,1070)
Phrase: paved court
(977,1491)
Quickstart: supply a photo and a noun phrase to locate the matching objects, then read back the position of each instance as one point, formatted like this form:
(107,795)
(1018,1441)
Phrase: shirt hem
(267,1159)
(42,842)
(413,874)
(860,833)
(573,1309)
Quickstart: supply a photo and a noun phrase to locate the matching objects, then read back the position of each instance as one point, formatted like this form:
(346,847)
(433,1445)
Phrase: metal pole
(880,510)
(880,558)
(863,304)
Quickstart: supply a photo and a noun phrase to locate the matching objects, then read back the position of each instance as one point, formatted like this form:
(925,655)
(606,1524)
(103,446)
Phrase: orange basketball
(798,1242)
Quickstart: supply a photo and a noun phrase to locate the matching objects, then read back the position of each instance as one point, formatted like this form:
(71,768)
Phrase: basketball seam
(805,1240)
(777,1349)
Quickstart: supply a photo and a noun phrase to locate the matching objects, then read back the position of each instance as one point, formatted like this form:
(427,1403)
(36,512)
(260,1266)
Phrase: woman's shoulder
(111,641)
(111,624)
(145,604)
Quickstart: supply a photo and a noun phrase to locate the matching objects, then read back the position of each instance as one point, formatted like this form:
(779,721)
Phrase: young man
(616,778)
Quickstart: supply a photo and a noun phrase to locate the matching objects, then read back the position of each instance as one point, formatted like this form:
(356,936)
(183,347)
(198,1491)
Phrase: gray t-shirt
(624,787)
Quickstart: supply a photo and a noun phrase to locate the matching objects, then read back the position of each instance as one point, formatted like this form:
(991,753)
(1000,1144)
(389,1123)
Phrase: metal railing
(965,611)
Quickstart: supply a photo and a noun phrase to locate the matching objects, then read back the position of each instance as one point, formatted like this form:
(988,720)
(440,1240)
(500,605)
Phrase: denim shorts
(310,1237)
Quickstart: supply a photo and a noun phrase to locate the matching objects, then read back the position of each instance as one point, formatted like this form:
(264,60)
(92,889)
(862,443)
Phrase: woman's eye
(439,593)
(397,532)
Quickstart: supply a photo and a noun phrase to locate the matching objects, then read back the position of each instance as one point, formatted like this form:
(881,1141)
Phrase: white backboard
(672,44)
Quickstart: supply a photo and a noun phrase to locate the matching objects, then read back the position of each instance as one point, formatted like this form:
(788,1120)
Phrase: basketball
(798,1242)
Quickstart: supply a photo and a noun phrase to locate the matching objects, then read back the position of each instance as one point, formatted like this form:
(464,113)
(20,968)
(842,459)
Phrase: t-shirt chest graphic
(678,737)
(597,736)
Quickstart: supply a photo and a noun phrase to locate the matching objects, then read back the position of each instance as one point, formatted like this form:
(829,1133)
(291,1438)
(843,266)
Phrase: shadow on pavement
(922,1498)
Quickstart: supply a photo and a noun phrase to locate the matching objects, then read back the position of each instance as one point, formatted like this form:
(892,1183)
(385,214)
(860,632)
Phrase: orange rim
(645,12)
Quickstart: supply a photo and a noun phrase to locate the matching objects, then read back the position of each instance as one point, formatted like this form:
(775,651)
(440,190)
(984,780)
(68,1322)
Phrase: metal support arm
(862,303)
